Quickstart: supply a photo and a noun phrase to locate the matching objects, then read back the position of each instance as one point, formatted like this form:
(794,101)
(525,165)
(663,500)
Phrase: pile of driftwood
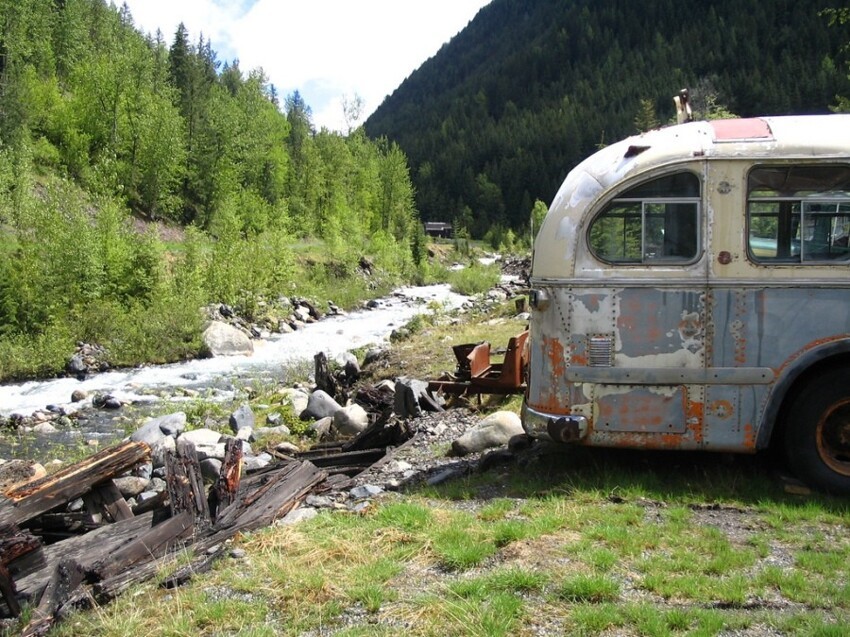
(56,560)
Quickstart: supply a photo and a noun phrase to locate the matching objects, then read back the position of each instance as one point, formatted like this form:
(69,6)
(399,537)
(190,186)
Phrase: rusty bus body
(690,290)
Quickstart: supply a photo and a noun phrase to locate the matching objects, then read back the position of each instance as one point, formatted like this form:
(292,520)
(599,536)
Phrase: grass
(575,561)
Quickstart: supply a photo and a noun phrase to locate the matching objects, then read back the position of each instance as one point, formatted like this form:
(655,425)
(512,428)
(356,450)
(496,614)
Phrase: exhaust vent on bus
(600,351)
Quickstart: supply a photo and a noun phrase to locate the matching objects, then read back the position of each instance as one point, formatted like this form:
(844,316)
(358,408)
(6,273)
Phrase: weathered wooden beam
(86,549)
(40,496)
(153,543)
(362,458)
(8,592)
(227,486)
(107,500)
(267,495)
(186,484)
(66,578)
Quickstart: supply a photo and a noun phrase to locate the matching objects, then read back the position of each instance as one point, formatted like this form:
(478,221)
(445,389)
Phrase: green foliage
(474,279)
(102,125)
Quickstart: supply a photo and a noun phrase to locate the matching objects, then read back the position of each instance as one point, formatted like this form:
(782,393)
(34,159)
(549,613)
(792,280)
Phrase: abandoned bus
(690,290)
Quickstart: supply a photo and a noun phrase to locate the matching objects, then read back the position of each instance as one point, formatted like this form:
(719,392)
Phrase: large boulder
(242,417)
(224,340)
(493,431)
(321,405)
(351,420)
(158,428)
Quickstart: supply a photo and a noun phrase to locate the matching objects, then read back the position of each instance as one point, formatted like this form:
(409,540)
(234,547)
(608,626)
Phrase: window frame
(796,209)
(644,202)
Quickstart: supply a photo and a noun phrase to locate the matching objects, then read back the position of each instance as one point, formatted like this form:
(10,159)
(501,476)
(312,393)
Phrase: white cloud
(323,48)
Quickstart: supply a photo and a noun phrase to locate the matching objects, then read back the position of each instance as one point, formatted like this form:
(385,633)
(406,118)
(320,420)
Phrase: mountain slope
(499,115)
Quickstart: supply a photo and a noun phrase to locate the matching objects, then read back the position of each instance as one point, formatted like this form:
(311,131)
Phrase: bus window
(654,222)
(799,214)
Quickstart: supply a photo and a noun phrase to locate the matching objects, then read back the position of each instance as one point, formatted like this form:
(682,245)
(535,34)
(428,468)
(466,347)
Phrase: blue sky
(325,49)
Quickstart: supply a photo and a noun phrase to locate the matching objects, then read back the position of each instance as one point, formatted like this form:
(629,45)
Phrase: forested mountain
(501,113)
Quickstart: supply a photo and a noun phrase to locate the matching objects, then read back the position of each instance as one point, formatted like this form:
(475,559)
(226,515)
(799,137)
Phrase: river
(271,359)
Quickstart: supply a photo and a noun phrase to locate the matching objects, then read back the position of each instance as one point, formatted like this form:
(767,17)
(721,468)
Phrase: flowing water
(271,360)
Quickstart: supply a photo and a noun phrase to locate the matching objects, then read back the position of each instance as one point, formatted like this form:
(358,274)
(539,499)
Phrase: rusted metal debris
(55,560)
(477,374)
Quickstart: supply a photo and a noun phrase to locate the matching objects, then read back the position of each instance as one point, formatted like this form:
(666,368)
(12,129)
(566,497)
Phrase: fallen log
(85,549)
(40,496)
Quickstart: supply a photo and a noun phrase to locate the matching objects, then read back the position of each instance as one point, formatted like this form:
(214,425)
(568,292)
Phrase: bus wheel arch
(815,430)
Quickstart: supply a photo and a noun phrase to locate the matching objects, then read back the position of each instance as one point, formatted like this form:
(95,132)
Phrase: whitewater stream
(271,359)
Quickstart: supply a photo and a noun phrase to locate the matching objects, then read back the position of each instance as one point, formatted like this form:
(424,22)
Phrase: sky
(327,50)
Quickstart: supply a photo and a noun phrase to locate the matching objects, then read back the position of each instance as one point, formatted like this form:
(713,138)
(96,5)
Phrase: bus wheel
(817,439)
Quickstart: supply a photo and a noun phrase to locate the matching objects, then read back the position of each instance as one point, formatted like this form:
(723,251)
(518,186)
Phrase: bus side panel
(764,327)
(597,352)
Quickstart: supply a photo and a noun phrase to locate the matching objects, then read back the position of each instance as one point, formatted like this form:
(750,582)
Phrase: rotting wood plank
(66,578)
(8,592)
(107,500)
(199,565)
(153,543)
(186,484)
(226,487)
(362,458)
(85,549)
(40,496)
(266,496)
(262,497)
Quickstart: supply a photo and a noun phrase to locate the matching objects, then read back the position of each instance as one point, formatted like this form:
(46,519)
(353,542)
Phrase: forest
(495,120)
(108,134)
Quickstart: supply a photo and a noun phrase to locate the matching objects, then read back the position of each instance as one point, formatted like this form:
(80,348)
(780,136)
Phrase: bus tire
(817,436)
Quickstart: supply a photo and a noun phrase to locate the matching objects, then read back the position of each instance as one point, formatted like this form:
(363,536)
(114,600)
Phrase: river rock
(44,428)
(280,430)
(130,486)
(205,451)
(202,436)
(350,367)
(210,469)
(241,418)
(224,340)
(245,434)
(351,420)
(15,473)
(158,428)
(411,397)
(78,395)
(160,449)
(321,428)
(321,405)
(287,448)
(297,398)
(493,431)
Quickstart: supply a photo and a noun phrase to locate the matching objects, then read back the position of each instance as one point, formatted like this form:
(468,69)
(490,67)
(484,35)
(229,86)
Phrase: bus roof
(785,137)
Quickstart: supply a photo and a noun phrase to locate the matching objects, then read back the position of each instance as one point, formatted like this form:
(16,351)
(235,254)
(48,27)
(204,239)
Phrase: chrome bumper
(554,427)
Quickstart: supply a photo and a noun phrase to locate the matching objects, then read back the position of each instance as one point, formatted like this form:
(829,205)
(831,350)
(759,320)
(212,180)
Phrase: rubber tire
(822,396)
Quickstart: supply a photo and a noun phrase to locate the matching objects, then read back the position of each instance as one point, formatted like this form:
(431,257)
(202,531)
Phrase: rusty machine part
(476,374)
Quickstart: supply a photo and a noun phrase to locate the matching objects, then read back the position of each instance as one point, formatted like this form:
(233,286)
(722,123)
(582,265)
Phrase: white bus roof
(782,137)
